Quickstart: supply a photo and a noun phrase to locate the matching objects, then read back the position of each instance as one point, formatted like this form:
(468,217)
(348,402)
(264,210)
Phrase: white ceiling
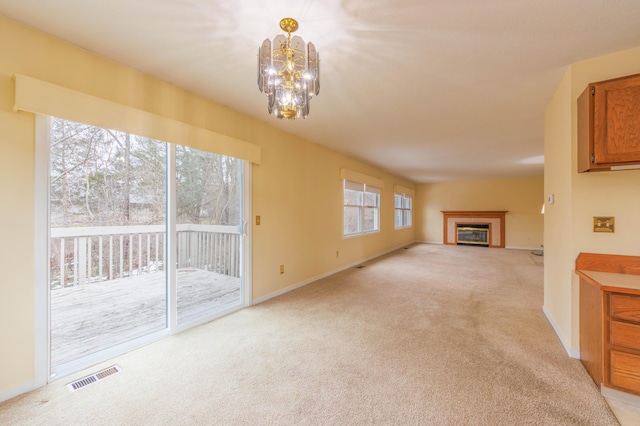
(431,90)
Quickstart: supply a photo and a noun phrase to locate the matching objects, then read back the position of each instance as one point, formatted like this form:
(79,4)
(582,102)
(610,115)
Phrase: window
(361,208)
(403,206)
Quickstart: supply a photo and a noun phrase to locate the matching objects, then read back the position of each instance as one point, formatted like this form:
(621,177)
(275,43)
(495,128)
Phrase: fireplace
(493,220)
(472,234)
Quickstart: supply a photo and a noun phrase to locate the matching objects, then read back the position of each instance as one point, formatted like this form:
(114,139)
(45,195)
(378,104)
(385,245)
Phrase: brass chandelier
(288,73)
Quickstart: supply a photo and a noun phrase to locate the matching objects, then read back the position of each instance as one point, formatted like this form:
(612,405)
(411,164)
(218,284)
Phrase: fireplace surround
(494,220)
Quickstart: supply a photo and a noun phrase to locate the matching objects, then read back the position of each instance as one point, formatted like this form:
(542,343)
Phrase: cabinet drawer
(625,371)
(625,307)
(625,334)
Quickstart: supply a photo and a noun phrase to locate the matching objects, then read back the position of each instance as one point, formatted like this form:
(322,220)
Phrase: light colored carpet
(432,334)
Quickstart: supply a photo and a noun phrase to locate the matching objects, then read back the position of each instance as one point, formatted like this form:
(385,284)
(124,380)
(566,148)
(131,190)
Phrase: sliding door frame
(41,252)
(43,373)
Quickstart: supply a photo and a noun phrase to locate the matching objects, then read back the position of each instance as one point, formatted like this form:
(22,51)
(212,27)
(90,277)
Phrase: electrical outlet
(282,269)
(258,220)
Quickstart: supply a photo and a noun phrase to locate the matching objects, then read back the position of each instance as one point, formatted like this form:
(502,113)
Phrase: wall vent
(80,383)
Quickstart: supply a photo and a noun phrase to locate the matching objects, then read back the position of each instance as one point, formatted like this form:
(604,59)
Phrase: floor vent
(80,383)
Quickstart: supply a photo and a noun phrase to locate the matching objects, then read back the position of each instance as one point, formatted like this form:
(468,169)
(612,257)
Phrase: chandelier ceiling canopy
(288,73)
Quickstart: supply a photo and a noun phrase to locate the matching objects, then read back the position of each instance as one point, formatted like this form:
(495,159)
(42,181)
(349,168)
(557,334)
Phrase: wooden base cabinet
(610,320)
(622,333)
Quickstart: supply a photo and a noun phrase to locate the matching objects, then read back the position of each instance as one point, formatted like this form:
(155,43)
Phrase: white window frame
(365,190)
(405,212)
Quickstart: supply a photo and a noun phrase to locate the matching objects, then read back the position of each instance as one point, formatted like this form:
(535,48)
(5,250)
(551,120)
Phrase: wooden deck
(92,317)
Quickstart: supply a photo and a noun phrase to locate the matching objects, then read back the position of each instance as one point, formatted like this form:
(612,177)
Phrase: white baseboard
(623,397)
(18,390)
(523,248)
(573,353)
(319,277)
(508,247)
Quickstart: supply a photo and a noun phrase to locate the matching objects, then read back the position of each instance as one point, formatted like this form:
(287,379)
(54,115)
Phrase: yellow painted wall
(296,189)
(557,216)
(568,226)
(521,197)
(298,195)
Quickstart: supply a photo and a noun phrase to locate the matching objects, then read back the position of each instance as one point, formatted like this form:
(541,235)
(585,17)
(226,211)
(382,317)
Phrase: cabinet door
(616,117)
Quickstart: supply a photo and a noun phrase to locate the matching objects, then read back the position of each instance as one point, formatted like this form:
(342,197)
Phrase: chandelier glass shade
(288,73)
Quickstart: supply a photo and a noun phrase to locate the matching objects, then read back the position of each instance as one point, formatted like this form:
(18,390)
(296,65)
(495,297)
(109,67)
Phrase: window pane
(107,239)
(352,220)
(371,199)
(406,202)
(208,189)
(398,218)
(407,217)
(370,219)
(398,201)
(352,198)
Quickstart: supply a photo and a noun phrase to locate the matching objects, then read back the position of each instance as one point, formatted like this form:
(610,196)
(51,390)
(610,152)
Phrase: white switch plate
(550,199)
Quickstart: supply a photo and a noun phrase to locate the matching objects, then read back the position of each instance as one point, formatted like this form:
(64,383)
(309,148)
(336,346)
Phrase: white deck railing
(92,254)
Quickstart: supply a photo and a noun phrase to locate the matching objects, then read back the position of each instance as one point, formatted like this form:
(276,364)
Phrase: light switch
(257,220)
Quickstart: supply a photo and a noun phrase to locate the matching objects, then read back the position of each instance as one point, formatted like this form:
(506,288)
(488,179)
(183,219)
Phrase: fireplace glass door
(473,234)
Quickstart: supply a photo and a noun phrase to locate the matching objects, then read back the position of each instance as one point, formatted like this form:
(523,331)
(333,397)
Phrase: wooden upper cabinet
(609,124)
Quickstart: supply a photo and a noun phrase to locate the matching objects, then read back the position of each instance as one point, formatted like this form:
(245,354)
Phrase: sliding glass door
(208,219)
(114,277)
(107,233)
